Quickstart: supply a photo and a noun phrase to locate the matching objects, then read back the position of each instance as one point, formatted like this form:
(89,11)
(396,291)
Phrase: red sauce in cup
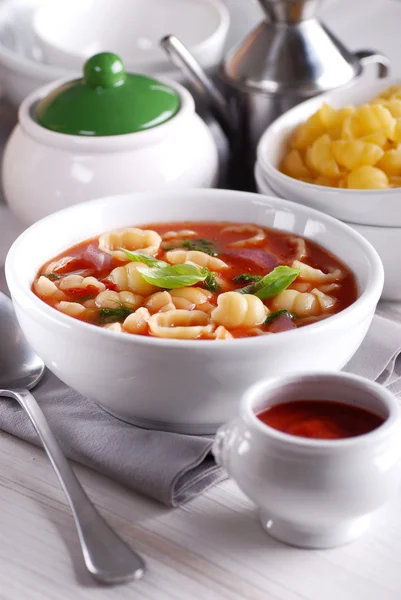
(320,419)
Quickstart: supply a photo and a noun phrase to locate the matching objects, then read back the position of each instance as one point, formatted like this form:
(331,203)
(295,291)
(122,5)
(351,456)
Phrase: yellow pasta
(294,165)
(368,178)
(351,147)
(313,128)
(355,153)
(390,162)
(322,159)
(392,104)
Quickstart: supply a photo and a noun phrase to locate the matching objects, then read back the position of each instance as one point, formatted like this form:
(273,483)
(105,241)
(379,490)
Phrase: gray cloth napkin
(171,468)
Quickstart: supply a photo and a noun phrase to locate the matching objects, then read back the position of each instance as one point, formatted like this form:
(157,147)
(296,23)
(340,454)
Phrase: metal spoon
(106,556)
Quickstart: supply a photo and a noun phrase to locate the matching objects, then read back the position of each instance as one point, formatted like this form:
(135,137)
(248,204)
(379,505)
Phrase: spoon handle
(107,557)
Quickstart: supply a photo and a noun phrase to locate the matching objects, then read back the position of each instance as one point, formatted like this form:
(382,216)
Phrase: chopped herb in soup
(197,281)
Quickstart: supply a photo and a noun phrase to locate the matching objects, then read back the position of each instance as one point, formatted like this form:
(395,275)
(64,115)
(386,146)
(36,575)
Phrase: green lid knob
(107,101)
(104,70)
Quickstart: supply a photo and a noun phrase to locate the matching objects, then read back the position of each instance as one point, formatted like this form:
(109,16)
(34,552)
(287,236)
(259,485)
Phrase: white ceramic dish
(314,493)
(386,241)
(22,69)
(45,171)
(70,31)
(188,386)
(367,207)
(22,66)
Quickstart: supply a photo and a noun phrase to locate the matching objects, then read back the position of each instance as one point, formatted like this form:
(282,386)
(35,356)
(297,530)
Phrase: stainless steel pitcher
(289,57)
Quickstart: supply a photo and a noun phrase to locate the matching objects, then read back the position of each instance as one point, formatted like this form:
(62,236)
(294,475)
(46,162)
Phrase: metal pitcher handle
(369,57)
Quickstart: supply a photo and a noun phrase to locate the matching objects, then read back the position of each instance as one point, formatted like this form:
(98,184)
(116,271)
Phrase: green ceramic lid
(107,101)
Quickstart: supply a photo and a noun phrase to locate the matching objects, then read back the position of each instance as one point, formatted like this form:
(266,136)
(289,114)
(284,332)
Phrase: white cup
(313,493)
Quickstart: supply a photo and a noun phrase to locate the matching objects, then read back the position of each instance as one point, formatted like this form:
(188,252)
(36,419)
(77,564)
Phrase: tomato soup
(190,280)
(320,419)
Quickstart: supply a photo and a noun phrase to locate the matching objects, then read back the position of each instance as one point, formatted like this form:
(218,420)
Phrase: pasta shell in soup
(147,241)
(197,281)
(180,324)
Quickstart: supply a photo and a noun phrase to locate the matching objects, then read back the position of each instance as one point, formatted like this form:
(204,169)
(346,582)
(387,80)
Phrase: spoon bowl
(108,558)
(19,366)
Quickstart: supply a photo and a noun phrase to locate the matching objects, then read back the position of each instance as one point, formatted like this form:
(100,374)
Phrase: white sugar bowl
(313,493)
(105,134)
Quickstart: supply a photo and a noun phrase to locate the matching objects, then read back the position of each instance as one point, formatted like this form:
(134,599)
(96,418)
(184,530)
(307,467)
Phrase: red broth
(320,419)
(257,258)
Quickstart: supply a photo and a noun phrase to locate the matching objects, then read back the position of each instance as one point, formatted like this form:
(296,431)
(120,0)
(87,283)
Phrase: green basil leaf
(211,281)
(174,276)
(247,277)
(272,284)
(147,260)
(277,313)
(114,315)
(200,244)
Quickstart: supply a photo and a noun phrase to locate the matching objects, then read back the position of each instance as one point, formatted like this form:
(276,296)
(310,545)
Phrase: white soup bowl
(184,385)
(314,493)
(385,240)
(367,207)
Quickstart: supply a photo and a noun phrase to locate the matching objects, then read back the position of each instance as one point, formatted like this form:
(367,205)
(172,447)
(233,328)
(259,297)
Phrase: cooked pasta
(132,238)
(137,322)
(111,299)
(303,304)
(239,310)
(257,235)
(73,309)
(207,281)
(180,324)
(312,275)
(181,234)
(46,289)
(159,302)
(178,257)
(222,333)
(299,303)
(81,284)
(352,147)
(129,278)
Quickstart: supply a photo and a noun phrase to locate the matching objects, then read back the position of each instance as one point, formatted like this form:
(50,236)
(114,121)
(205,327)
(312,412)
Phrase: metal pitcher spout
(181,57)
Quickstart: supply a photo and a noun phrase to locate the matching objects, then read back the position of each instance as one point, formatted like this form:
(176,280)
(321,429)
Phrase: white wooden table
(212,548)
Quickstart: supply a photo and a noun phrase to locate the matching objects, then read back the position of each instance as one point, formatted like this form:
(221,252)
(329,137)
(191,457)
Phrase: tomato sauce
(258,259)
(320,419)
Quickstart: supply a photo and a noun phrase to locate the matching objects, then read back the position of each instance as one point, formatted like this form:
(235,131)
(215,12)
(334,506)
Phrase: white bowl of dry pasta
(340,153)
(164,307)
